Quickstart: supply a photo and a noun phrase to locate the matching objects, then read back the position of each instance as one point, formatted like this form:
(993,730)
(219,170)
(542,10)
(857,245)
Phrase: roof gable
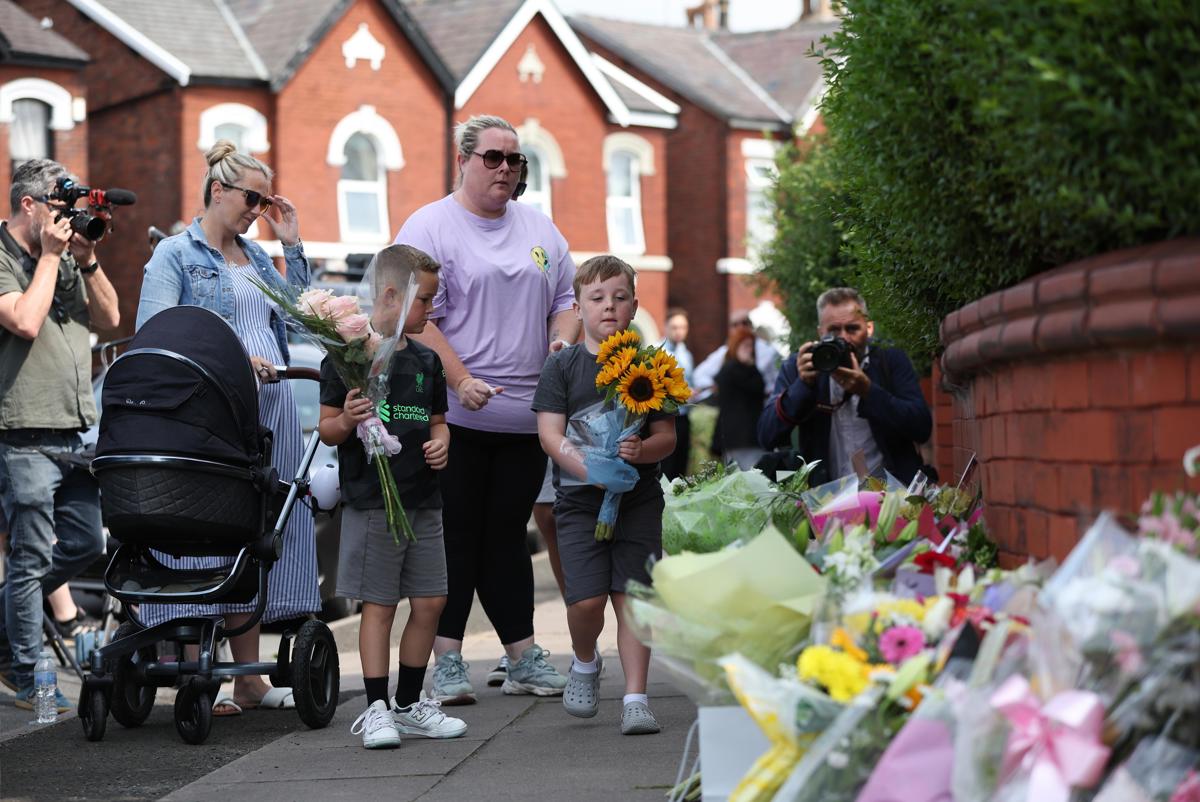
(696,65)
(458,27)
(781,61)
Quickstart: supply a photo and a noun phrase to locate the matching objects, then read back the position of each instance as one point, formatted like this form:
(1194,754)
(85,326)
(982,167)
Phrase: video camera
(831,353)
(92,221)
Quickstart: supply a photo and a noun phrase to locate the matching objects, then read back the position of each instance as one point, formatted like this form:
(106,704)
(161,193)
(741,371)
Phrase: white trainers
(425,718)
(376,726)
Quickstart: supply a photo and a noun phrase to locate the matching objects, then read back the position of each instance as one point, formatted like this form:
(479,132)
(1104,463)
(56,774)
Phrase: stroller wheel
(193,711)
(93,712)
(315,675)
(131,703)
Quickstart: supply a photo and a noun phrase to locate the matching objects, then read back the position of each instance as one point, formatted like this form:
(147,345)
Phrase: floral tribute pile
(906,665)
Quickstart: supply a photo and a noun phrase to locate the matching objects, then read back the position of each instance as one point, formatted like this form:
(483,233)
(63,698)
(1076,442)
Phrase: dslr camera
(91,221)
(832,352)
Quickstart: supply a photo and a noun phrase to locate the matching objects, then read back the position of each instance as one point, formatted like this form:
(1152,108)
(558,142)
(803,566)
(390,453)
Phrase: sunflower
(641,390)
(663,361)
(617,364)
(616,341)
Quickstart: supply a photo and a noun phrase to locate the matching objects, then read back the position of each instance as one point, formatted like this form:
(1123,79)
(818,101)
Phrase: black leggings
(488,490)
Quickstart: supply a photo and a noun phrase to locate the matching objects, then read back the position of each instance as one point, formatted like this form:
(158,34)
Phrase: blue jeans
(54,532)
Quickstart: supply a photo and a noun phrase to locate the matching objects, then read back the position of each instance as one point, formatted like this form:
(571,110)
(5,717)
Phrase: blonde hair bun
(220,149)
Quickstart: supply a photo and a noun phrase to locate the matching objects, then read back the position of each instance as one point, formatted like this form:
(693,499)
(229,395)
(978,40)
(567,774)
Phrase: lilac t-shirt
(501,281)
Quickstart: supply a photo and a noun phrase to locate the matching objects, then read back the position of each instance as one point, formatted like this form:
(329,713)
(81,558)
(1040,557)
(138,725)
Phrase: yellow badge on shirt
(538,254)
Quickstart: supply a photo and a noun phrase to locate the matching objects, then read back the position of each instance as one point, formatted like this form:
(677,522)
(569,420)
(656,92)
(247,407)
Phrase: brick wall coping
(1126,297)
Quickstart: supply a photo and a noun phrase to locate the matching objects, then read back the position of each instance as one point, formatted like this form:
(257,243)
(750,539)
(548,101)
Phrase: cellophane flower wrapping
(597,432)
(361,353)
(1158,770)
(756,600)
(708,516)
(790,713)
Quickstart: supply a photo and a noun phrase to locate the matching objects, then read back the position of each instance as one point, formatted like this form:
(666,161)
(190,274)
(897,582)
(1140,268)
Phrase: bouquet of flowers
(361,355)
(640,380)
(708,515)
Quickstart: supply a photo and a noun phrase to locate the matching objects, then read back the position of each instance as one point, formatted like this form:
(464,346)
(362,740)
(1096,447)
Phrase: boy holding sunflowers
(596,570)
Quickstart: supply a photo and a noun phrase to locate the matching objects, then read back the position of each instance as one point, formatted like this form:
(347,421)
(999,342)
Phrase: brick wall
(323,91)
(70,147)
(1079,390)
(194,100)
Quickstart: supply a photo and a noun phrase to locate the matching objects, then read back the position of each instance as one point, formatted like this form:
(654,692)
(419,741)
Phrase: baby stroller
(185,469)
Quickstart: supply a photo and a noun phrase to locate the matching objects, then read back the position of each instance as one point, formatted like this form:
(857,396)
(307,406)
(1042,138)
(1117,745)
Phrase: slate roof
(284,31)
(461,30)
(727,74)
(22,37)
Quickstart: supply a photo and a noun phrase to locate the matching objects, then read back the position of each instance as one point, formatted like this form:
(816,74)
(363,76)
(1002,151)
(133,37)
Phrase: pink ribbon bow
(377,439)
(1057,744)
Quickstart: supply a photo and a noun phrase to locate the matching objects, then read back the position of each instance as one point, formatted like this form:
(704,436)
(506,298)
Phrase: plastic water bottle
(45,684)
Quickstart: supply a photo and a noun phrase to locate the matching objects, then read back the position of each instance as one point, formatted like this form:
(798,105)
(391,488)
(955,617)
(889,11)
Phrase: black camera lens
(89,226)
(830,354)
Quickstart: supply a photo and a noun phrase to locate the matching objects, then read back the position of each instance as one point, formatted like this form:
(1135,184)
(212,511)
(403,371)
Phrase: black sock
(408,687)
(376,689)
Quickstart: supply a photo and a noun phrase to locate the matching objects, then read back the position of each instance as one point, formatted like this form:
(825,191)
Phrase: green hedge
(977,142)
(808,253)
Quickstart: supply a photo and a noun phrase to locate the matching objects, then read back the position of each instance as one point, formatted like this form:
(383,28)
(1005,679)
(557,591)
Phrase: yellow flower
(845,641)
(839,673)
(617,365)
(640,390)
(615,342)
(664,362)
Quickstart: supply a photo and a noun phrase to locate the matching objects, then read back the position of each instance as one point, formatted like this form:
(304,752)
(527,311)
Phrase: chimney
(709,15)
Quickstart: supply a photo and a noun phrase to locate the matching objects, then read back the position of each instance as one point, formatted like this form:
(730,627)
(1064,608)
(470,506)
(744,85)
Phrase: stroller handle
(285,372)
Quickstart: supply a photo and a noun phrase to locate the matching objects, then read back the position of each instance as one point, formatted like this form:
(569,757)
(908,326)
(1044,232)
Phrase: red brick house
(351,102)
(43,97)
(740,95)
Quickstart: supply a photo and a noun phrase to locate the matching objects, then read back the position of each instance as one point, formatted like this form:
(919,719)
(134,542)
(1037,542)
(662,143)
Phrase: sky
(744,15)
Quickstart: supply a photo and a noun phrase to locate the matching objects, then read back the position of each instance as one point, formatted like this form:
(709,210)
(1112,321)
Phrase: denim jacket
(186,270)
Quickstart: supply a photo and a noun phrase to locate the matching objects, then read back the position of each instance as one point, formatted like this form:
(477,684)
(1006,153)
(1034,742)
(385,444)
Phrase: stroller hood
(184,387)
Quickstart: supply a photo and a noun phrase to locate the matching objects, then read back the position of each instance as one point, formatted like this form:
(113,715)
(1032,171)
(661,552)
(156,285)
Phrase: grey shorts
(372,567)
(591,568)
(546,495)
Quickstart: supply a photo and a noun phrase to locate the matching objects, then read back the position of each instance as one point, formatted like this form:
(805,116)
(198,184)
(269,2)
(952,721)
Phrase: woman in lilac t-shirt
(503,304)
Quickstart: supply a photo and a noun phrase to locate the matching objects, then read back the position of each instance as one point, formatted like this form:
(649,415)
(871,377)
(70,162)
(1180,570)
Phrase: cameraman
(51,289)
(873,404)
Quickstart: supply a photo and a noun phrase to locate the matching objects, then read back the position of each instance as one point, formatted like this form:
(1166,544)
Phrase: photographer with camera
(845,396)
(51,290)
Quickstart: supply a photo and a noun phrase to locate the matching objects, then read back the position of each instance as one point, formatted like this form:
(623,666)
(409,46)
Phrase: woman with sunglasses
(211,265)
(504,303)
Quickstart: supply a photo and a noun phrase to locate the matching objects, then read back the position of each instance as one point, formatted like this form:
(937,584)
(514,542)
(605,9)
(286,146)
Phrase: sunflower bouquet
(634,381)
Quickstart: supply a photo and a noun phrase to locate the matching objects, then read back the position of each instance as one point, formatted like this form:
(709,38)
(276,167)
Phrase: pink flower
(353,327)
(1189,789)
(373,341)
(1129,656)
(900,643)
(340,307)
(314,302)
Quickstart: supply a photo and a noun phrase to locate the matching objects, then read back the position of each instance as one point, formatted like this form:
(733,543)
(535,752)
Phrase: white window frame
(756,183)
(543,197)
(378,188)
(250,119)
(634,202)
(64,111)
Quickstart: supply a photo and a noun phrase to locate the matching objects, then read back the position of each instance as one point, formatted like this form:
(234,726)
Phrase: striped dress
(292,588)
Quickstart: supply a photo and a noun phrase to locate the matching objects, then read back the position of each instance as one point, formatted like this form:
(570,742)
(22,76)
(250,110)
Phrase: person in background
(52,290)
(766,357)
(676,464)
(873,406)
(739,401)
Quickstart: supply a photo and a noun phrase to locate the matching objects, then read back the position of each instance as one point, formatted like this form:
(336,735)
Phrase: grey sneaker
(533,674)
(636,719)
(498,674)
(451,685)
(581,697)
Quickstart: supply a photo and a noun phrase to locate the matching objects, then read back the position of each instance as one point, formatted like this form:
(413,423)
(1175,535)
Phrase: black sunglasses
(253,198)
(492,159)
